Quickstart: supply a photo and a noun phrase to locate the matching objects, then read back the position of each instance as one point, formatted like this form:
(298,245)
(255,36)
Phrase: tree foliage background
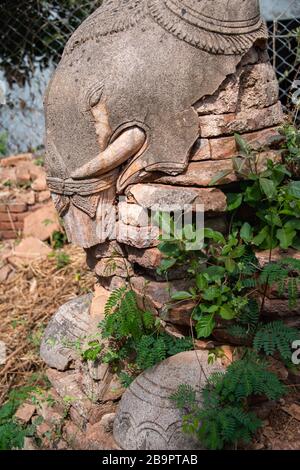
(34,32)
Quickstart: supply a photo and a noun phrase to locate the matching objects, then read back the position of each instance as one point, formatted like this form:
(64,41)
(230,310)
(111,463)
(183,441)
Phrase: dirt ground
(29,297)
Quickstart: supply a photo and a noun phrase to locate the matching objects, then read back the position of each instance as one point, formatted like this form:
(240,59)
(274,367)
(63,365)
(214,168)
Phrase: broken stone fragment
(67,385)
(28,250)
(41,223)
(146,417)
(155,295)
(226,147)
(179,313)
(133,214)
(240,122)
(14,160)
(99,300)
(70,324)
(148,258)
(108,267)
(158,197)
(202,173)
(40,183)
(25,413)
(107,421)
(140,237)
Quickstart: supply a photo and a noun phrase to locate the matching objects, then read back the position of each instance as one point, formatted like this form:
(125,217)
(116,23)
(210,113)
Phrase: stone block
(159,196)
(240,122)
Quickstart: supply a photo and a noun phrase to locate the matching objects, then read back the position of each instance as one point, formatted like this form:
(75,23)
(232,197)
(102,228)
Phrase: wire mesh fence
(284,51)
(33,34)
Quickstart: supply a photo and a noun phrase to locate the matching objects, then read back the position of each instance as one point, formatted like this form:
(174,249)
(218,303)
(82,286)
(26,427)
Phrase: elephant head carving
(120,104)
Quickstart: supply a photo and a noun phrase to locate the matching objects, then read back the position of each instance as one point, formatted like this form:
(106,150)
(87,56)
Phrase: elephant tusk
(123,148)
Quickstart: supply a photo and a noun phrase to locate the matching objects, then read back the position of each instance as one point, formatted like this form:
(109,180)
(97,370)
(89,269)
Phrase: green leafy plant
(226,283)
(12,433)
(58,239)
(93,351)
(62,258)
(291,147)
(223,418)
(134,333)
(218,272)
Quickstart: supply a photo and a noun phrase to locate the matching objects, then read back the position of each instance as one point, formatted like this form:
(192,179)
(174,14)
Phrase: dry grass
(27,303)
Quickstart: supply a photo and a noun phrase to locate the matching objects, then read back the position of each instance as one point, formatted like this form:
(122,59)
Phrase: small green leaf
(169,248)
(285,237)
(181,295)
(205,326)
(215,273)
(238,252)
(268,187)
(201,282)
(261,236)
(242,145)
(293,224)
(230,265)
(234,201)
(293,189)
(214,235)
(227,313)
(273,219)
(211,293)
(246,232)
(166,264)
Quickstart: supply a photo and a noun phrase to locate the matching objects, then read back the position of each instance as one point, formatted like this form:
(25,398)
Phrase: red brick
(8,235)
(15,225)
(21,215)
(13,207)
(6,217)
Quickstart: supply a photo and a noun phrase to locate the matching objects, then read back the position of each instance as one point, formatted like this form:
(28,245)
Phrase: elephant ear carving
(113,17)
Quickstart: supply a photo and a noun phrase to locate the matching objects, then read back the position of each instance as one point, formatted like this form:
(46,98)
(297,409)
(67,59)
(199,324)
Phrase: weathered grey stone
(148,258)
(155,295)
(68,386)
(108,267)
(147,418)
(133,214)
(201,150)
(159,196)
(251,86)
(70,323)
(140,237)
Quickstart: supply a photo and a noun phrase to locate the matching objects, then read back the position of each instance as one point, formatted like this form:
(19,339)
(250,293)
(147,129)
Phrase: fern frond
(114,299)
(275,336)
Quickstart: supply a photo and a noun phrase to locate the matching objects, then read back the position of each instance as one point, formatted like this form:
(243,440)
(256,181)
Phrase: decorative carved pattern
(84,194)
(176,17)
(206,33)
(115,16)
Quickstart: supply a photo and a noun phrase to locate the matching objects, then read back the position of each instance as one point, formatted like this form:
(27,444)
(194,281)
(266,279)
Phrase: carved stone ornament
(147,419)
(121,104)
